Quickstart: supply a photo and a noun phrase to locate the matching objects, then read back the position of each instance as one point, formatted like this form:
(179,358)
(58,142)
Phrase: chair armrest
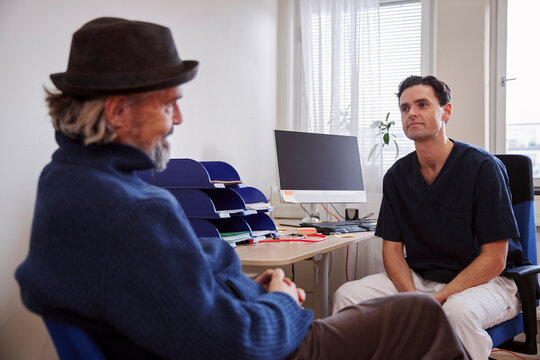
(521,271)
(526,281)
(525,278)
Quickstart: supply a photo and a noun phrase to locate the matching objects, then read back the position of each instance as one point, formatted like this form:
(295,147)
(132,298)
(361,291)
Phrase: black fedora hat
(117,56)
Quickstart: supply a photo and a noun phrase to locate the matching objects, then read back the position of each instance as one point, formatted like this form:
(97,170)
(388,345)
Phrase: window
(522,120)
(389,49)
(400,33)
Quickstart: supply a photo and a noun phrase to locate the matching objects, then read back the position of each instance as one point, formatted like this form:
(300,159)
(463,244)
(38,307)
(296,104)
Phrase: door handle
(504,79)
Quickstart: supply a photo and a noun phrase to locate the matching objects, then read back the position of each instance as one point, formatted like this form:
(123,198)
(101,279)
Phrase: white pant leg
(369,287)
(481,307)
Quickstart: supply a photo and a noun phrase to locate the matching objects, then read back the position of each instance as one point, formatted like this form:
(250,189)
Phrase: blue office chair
(72,343)
(519,169)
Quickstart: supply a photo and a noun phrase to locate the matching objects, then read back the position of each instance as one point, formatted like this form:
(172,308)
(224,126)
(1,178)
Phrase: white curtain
(340,50)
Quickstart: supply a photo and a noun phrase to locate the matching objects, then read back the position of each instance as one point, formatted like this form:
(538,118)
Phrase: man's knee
(414,299)
(408,304)
(346,290)
(345,295)
(457,311)
(370,287)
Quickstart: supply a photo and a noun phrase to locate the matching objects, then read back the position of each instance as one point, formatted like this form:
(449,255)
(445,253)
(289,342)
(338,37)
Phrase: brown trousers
(399,327)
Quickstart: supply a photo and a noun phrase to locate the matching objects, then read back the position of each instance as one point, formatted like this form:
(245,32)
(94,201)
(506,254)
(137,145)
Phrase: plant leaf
(386,138)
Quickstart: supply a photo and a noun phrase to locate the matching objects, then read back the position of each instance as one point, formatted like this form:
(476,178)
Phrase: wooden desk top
(283,253)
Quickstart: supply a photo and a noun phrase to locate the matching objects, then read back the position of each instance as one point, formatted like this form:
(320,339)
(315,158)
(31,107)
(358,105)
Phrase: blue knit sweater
(118,258)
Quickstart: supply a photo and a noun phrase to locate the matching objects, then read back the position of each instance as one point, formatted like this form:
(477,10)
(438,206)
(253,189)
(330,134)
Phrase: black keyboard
(338,227)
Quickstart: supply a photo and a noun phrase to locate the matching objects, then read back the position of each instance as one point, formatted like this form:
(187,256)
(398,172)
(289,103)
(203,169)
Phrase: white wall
(229,110)
(462,62)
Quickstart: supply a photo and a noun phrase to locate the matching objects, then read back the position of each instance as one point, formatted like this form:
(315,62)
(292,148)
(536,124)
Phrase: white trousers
(469,312)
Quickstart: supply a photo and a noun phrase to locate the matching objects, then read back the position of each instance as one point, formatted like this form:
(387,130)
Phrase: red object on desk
(301,238)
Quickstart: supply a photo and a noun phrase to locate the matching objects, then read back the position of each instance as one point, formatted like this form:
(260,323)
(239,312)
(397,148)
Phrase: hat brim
(117,84)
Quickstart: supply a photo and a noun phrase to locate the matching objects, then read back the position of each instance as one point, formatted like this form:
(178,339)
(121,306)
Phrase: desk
(284,253)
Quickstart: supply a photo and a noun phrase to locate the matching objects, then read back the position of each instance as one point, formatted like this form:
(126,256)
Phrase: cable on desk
(367,216)
(329,212)
(337,212)
(299,238)
(307,212)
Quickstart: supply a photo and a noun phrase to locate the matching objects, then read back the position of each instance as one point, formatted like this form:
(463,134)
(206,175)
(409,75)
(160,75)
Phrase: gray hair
(79,118)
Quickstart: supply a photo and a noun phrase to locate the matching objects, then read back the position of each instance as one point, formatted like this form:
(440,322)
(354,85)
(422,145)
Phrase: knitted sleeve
(172,302)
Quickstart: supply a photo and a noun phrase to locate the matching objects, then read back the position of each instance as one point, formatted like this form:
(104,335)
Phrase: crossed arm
(488,265)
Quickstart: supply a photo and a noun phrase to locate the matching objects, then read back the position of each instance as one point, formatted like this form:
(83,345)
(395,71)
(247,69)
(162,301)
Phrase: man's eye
(404,109)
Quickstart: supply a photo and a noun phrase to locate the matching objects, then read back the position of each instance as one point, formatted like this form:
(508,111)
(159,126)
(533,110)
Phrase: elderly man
(448,204)
(117,257)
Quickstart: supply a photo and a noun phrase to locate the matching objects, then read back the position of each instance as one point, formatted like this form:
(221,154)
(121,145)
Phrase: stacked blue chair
(72,343)
(519,169)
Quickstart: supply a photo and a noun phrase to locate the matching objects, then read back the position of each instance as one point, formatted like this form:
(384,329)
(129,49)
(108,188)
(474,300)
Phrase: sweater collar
(109,155)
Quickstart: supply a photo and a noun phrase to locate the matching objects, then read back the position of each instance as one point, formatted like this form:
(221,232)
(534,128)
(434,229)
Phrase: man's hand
(441,298)
(264,278)
(275,280)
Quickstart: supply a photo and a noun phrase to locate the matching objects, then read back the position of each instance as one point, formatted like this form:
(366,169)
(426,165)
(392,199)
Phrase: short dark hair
(442,91)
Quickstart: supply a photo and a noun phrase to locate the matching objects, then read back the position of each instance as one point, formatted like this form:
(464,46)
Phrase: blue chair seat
(72,343)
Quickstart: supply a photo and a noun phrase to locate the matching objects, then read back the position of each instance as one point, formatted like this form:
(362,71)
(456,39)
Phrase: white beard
(160,154)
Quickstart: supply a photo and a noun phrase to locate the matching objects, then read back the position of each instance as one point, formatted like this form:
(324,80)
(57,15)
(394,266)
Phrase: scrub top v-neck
(444,224)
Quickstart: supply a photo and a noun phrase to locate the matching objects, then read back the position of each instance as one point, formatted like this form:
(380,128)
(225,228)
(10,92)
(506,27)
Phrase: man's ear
(116,110)
(447,112)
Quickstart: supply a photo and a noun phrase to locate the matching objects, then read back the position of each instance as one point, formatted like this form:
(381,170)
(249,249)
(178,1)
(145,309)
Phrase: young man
(118,258)
(448,205)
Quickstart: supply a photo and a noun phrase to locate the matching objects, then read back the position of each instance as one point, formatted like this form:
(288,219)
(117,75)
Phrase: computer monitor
(319,168)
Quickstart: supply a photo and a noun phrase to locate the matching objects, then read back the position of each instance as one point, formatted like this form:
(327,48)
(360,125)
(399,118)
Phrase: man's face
(152,116)
(422,116)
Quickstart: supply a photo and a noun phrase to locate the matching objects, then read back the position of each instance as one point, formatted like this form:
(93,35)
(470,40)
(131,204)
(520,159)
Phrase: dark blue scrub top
(444,224)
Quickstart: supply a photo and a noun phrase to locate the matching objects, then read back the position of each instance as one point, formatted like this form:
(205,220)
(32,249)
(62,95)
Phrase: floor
(501,355)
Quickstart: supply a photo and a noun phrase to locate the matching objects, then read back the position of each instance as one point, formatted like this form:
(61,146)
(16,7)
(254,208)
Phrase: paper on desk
(259,206)
(227,213)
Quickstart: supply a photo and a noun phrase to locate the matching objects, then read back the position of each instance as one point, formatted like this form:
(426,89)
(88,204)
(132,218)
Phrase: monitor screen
(319,168)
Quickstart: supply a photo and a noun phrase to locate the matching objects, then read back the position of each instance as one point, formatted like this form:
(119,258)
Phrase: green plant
(386,137)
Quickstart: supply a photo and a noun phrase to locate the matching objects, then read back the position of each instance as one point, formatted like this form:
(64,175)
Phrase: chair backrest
(519,169)
(72,343)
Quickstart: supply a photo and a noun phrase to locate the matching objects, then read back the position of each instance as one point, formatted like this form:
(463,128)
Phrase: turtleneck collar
(113,155)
